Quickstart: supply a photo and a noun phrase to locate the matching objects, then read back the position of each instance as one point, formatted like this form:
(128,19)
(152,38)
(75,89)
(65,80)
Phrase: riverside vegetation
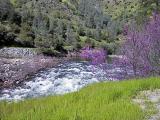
(60,26)
(92,29)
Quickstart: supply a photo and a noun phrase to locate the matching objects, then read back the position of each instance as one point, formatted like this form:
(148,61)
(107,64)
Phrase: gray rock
(18,52)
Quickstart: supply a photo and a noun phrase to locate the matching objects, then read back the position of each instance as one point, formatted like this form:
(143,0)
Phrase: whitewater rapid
(65,78)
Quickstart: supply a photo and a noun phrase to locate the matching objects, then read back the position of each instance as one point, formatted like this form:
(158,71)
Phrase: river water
(65,78)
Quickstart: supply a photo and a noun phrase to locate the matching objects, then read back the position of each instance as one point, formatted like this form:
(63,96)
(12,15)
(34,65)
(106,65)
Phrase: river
(65,78)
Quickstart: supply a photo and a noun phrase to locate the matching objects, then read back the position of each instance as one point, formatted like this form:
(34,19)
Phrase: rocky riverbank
(149,101)
(15,70)
(18,52)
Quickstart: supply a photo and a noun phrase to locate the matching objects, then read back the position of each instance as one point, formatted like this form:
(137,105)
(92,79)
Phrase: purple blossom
(96,56)
(142,48)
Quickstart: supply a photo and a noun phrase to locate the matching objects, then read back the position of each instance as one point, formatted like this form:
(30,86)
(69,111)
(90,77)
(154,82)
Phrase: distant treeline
(68,25)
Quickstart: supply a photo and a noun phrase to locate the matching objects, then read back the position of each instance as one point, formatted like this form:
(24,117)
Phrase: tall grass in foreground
(102,101)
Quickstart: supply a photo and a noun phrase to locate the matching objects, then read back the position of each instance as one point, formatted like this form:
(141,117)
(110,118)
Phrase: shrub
(141,49)
(96,56)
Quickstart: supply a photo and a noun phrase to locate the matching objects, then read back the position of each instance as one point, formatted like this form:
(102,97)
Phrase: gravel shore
(150,101)
(16,70)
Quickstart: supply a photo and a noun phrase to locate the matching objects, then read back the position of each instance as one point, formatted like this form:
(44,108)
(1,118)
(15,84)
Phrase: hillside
(65,25)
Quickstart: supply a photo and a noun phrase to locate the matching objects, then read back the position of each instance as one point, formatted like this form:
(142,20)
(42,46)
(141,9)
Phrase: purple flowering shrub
(96,56)
(141,50)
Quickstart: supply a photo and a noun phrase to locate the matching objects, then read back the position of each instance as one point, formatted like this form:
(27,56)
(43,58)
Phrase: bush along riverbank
(111,101)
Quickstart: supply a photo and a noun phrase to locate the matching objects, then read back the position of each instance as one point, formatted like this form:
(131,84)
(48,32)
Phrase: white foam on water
(66,78)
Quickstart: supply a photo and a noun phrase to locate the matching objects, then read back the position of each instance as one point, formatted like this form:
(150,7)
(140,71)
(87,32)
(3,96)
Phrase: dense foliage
(96,56)
(65,25)
(141,50)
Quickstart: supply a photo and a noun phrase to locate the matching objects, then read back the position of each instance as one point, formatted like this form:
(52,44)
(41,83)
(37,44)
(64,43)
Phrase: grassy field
(101,101)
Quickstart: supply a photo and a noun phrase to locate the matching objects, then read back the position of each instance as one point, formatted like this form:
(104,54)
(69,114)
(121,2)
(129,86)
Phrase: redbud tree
(96,56)
(141,49)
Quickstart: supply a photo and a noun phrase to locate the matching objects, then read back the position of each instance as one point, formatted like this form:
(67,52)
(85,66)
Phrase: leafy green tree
(26,35)
(91,12)
(44,41)
(40,23)
(6,10)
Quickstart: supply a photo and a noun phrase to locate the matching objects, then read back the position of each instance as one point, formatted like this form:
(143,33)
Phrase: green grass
(101,101)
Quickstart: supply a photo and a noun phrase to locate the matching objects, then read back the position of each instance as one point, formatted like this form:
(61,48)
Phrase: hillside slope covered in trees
(67,25)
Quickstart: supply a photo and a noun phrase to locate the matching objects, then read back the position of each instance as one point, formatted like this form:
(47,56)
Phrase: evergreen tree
(6,10)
